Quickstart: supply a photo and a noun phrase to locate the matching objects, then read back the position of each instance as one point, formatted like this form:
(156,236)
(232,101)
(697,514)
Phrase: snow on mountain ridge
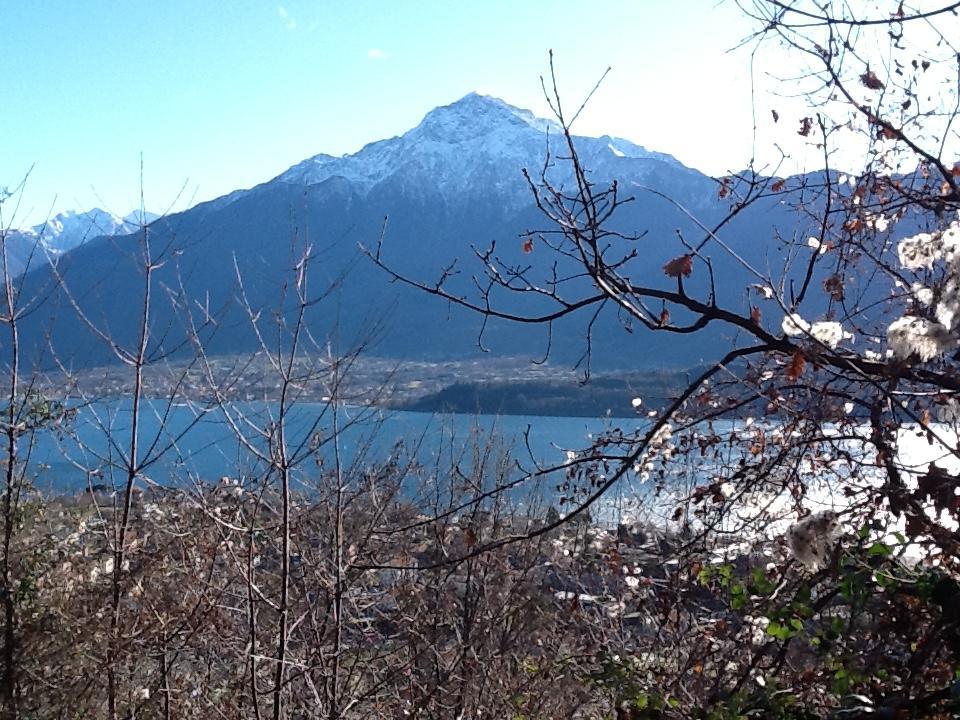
(477,139)
(480,114)
(72,228)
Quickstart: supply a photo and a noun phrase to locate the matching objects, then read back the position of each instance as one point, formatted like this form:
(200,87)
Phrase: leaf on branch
(834,286)
(806,125)
(888,133)
(778,185)
(938,486)
(682,265)
(755,315)
(853,225)
(764,290)
(916,524)
(724,188)
(955,170)
(528,246)
(776,115)
(664,317)
(870,80)
(795,368)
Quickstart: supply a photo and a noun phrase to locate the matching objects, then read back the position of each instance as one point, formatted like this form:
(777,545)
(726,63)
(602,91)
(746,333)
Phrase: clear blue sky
(221,95)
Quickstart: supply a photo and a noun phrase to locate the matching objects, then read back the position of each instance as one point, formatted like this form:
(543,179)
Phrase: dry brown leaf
(870,80)
(795,368)
(834,286)
(682,265)
(888,133)
(853,225)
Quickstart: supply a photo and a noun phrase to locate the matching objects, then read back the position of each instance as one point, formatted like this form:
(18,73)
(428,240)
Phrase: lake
(195,445)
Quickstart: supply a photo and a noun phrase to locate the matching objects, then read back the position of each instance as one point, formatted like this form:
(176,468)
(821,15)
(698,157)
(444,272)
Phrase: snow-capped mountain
(478,141)
(71,229)
(66,231)
(450,186)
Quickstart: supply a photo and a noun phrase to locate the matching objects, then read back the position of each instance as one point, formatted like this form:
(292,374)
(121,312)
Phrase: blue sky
(220,95)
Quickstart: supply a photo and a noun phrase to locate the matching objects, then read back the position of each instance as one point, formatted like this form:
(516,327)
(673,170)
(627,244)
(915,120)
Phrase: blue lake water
(192,445)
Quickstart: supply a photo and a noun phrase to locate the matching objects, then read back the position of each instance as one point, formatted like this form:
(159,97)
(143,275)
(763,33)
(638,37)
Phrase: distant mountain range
(450,184)
(66,231)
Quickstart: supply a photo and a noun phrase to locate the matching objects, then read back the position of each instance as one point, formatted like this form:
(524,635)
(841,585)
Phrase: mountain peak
(478,139)
(70,228)
(476,114)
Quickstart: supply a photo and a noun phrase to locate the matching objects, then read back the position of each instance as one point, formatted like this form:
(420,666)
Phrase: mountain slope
(452,184)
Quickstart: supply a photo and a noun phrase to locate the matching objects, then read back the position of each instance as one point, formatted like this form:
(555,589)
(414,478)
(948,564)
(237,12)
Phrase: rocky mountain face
(449,186)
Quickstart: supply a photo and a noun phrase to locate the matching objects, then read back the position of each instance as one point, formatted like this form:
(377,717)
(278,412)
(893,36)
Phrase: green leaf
(780,632)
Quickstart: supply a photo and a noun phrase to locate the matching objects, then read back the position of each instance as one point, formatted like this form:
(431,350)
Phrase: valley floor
(496,386)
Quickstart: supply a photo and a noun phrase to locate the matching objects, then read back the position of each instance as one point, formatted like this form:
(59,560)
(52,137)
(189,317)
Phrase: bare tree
(826,507)
(787,542)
